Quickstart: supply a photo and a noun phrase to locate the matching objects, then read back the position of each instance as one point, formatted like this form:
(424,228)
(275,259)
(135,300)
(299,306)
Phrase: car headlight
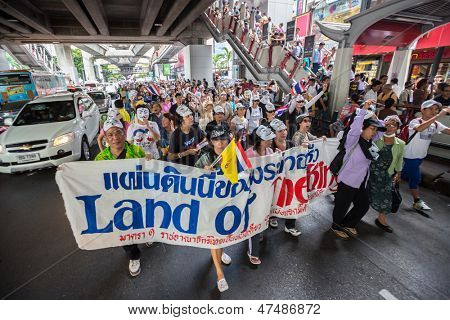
(65,138)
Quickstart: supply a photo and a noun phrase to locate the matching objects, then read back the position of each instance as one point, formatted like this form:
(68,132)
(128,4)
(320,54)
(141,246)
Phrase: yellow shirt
(125,115)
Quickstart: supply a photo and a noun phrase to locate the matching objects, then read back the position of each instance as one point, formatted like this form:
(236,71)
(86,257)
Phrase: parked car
(101,99)
(49,131)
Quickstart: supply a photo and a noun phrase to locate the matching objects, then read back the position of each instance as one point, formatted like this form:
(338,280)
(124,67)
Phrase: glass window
(14,79)
(97,95)
(419,71)
(45,112)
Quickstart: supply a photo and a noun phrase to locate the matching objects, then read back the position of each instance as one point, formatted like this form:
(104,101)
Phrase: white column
(65,61)
(340,79)
(198,62)
(399,67)
(88,66)
(4,64)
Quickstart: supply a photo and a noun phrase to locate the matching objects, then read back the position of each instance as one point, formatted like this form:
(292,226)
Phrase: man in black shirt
(219,119)
(444,97)
(178,103)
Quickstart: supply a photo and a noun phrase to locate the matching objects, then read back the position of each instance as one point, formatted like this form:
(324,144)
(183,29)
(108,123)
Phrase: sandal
(253,260)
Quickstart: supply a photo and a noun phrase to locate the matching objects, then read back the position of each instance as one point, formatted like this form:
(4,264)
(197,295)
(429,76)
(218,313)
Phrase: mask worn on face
(142,114)
(112,113)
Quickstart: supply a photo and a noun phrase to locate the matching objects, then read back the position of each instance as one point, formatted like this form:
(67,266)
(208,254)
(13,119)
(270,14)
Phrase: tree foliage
(78,62)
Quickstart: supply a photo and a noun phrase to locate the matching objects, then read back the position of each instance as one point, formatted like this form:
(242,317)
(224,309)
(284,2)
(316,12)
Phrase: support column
(65,61)
(88,63)
(4,64)
(399,67)
(436,62)
(198,62)
(340,79)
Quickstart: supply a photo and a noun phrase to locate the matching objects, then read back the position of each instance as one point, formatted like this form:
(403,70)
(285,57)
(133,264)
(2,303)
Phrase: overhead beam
(150,16)
(97,12)
(79,14)
(176,9)
(196,12)
(24,14)
(14,25)
(97,39)
(92,49)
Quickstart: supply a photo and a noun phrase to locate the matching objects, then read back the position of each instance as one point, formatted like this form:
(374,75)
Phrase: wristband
(179,155)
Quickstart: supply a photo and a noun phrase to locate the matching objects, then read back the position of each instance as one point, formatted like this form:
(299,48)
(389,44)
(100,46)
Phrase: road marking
(387,295)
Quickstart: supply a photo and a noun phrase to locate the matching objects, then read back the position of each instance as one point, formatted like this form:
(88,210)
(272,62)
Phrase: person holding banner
(303,136)
(119,148)
(280,144)
(354,173)
(219,137)
(262,147)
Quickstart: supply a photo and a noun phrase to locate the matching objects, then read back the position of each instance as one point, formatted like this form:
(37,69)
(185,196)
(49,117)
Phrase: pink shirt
(165,107)
(251,153)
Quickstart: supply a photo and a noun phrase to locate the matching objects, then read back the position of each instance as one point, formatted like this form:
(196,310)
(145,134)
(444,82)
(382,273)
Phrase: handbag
(396,197)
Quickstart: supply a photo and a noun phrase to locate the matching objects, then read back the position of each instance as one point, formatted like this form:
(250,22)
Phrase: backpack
(404,133)
(337,164)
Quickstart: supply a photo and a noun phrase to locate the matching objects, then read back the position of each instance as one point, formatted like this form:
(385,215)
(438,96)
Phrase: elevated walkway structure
(35,56)
(263,61)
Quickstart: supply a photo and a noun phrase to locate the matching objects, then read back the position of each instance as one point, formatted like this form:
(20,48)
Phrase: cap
(219,109)
(265,133)
(112,123)
(240,105)
(373,122)
(302,116)
(322,43)
(299,98)
(429,103)
(140,103)
(183,111)
(265,93)
(277,125)
(220,132)
(393,117)
(256,97)
(270,107)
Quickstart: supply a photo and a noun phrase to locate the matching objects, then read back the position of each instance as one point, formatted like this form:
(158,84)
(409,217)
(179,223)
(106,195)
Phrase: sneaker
(222,285)
(421,205)
(149,244)
(352,231)
(226,259)
(340,234)
(273,222)
(134,267)
(293,231)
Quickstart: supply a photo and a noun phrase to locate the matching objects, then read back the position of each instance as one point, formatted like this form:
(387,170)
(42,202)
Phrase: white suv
(49,131)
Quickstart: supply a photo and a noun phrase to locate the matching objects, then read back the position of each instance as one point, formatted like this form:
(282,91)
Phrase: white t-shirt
(418,147)
(241,123)
(370,95)
(254,116)
(140,136)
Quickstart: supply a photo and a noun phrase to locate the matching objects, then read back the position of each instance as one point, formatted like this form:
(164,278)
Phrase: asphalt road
(39,258)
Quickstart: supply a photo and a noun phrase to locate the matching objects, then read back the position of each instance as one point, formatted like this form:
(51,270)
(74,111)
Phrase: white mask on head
(142,114)
(112,113)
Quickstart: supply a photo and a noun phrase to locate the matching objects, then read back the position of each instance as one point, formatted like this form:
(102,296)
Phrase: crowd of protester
(189,122)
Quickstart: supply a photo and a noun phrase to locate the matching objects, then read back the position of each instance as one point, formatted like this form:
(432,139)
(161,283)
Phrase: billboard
(302,25)
(290,31)
(308,47)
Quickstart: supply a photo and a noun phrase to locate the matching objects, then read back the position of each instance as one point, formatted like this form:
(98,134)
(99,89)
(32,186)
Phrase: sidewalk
(436,174)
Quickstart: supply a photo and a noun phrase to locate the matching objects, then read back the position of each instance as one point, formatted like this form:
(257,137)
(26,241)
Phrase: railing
(266,58)
(41,55)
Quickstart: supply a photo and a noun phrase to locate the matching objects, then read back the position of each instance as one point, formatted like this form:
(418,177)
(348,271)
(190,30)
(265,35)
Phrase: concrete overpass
(102,21)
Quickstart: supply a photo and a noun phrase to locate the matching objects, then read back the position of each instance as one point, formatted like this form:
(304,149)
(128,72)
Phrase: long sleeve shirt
(356,165)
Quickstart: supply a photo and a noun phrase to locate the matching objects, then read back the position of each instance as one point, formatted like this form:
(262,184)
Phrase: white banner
(121,202)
